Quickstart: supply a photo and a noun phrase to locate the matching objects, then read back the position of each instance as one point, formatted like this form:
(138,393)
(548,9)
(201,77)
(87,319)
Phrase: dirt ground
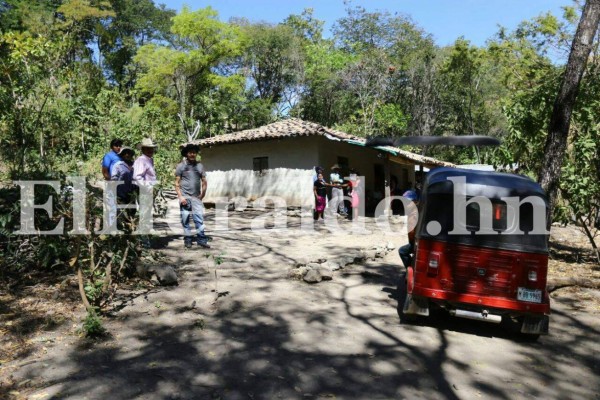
(251,332)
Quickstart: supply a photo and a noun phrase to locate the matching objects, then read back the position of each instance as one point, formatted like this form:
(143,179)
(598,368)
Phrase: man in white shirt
(143,167)
(337,193)
(144,175)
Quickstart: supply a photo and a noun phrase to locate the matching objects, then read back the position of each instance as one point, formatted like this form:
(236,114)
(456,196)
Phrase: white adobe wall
(291,168)
(230,170)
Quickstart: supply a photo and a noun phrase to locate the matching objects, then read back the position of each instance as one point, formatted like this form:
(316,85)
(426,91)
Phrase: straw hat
(126,149)
(147,142)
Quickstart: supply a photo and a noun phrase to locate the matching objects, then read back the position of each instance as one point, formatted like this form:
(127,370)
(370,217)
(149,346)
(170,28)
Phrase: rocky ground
(244,324)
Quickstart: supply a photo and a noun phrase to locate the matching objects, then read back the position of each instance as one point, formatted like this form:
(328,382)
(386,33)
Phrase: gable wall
(291,162)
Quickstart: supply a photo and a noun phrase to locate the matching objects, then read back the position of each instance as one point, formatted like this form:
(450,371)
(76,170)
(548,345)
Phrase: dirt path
(263,335)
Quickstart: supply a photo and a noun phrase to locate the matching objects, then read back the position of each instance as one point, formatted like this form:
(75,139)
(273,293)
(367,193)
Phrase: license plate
(531,295)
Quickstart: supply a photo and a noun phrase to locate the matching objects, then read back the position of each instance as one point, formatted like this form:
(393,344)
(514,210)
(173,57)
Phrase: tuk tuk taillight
(434,263)
(532,275)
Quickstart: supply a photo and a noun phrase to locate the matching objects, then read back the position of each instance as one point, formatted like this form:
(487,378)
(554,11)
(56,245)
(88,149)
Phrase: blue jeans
(195,208)
(406,253)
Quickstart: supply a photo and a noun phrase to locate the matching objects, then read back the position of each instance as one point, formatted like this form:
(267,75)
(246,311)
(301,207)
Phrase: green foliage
(78,11)
(136,22)
(185,71)
(306,26)
(77,73)
(390,120)
(324,99)
(92,325)
(363,31)
(272,59)
(580,179)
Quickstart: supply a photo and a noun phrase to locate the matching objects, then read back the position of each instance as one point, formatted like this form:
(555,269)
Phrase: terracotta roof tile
(294,127)
(285,128)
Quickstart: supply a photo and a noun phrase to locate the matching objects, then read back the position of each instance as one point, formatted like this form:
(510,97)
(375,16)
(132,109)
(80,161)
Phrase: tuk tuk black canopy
(438,201)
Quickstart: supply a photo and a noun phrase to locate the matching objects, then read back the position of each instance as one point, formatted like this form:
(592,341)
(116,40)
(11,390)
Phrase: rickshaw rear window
(439,207)
(499,222)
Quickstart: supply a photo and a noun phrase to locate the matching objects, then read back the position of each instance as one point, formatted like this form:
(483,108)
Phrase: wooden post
(387,182)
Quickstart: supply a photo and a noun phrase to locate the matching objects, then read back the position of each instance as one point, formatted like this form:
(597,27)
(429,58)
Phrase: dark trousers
(406,253)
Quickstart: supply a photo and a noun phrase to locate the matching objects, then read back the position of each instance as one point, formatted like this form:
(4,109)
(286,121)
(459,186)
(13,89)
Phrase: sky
(446,20)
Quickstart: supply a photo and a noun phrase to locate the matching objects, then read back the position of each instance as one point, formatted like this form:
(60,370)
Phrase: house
(279,160)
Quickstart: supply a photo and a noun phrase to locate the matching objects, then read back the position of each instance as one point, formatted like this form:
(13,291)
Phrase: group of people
(338,185)
(190,182)
(119,165)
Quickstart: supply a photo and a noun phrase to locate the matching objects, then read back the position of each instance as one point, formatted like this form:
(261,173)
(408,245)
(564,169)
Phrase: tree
(401,54)
(368,80)
(306,26)
(325,99)
(186,69)
(136,23)
(558,130)
(272,60)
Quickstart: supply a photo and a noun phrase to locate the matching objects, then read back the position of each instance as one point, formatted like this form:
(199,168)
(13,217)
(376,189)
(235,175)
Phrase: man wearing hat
(337,193)
(190,185)
(122,171)
(408,250)
(144,176)
(143,167)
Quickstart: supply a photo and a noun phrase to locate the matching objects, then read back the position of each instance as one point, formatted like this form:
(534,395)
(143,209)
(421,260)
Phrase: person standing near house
(320,192)
(355,186)
(406,252)
(337,192)
(143,167)
(111,158)
(108,161)
(318,170)
(190,185)
(122,171)
(144,176)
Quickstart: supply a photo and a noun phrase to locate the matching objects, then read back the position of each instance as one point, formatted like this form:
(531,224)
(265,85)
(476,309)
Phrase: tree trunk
(558,130)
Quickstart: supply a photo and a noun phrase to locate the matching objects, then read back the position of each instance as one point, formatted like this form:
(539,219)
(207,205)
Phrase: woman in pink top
(355,195)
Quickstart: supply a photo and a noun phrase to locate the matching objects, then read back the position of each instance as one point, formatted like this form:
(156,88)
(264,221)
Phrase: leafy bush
(92,325)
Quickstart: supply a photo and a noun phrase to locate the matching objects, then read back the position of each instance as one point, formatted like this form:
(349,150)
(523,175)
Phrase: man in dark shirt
(190,184)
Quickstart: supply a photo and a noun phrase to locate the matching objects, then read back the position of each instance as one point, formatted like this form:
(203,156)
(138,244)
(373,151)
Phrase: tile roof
(295,127)
(290,127)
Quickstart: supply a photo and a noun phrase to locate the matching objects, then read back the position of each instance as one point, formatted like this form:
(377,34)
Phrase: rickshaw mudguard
(414,306)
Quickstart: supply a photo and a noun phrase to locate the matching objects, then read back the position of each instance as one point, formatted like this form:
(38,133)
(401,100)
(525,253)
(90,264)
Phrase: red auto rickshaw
(495,275)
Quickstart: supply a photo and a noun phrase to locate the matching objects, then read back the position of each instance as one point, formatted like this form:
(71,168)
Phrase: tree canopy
(75,74)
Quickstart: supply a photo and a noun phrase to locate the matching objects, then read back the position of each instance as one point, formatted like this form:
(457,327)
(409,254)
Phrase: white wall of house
(291,165)
(291,168)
